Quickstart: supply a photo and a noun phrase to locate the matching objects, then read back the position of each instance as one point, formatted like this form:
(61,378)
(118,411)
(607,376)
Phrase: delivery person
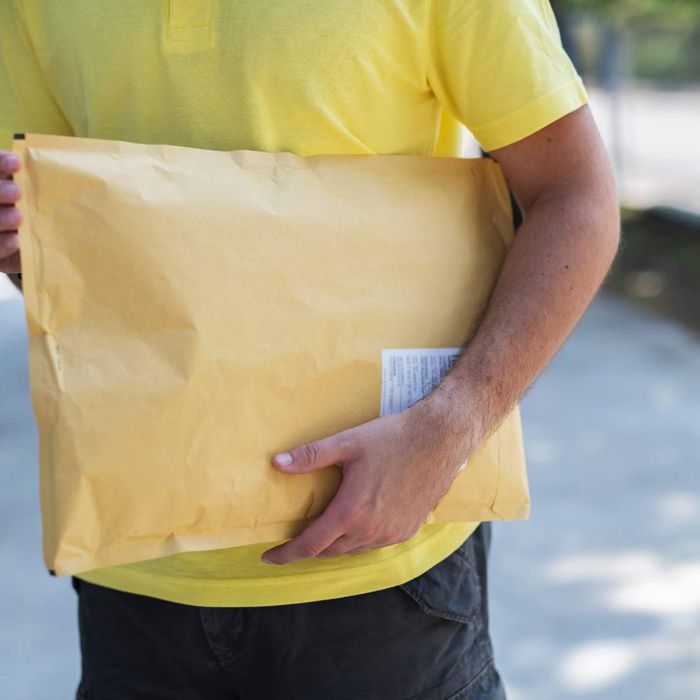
(367,603)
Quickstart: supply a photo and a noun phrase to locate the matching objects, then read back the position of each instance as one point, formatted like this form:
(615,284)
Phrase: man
(367,602)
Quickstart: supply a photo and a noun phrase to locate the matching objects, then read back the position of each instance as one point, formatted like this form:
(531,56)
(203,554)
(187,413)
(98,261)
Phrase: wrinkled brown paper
(193,312)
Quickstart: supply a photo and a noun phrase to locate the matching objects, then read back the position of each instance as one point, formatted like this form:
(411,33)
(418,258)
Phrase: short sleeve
(499,67)
(26,102)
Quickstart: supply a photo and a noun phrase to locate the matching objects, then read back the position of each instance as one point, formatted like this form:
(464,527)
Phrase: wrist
(452,417)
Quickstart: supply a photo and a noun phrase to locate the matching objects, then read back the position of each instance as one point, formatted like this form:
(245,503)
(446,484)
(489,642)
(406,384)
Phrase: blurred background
(597,595)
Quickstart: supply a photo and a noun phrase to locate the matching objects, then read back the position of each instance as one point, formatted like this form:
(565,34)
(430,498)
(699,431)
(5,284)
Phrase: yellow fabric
(310,77)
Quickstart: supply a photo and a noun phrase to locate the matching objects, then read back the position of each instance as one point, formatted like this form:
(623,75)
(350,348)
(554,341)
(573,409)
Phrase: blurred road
(596,596)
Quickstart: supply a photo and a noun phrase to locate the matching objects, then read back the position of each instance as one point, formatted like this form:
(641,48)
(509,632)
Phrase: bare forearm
(553,269)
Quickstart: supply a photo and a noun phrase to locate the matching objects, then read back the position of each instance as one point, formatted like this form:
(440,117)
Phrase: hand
(395,471)
(10,216)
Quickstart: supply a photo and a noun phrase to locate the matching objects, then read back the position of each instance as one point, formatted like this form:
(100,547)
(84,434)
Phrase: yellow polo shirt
(306,76)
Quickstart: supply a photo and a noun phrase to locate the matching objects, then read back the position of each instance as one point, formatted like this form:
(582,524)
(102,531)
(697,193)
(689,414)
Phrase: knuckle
(310,452)
(9,192)
(357,516)
(10,217)
(344,443)
(367,530)
(363,535)
(373,531)
(9,162)
(309,549)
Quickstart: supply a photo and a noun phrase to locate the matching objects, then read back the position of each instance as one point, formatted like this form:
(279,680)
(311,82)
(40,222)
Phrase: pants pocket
(452,589)
(486,685)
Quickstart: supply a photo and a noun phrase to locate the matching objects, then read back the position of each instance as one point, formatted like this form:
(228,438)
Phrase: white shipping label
(409,374)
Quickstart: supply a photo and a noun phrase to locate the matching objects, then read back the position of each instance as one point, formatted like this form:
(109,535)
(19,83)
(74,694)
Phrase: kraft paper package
(193,312)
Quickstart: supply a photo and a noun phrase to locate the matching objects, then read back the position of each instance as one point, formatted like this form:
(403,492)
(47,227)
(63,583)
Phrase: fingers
(9,244)
(9,164)
(345,544)
(317,454)
(11,264)
(314,539)
(363,539)
(9,192)
(335,520)
(369,510)
(10,218)
(344,528)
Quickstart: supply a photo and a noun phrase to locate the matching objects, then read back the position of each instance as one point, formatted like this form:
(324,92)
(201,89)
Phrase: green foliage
(669,11)
(661,37)
(668,57)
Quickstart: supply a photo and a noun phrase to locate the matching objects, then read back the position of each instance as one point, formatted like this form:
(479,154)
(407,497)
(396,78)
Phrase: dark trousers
(426,639)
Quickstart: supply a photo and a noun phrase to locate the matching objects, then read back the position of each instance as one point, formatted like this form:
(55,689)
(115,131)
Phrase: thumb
(316,455)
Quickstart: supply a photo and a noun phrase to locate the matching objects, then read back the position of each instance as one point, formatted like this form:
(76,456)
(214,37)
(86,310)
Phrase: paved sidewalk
(38,634)
(596,596)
